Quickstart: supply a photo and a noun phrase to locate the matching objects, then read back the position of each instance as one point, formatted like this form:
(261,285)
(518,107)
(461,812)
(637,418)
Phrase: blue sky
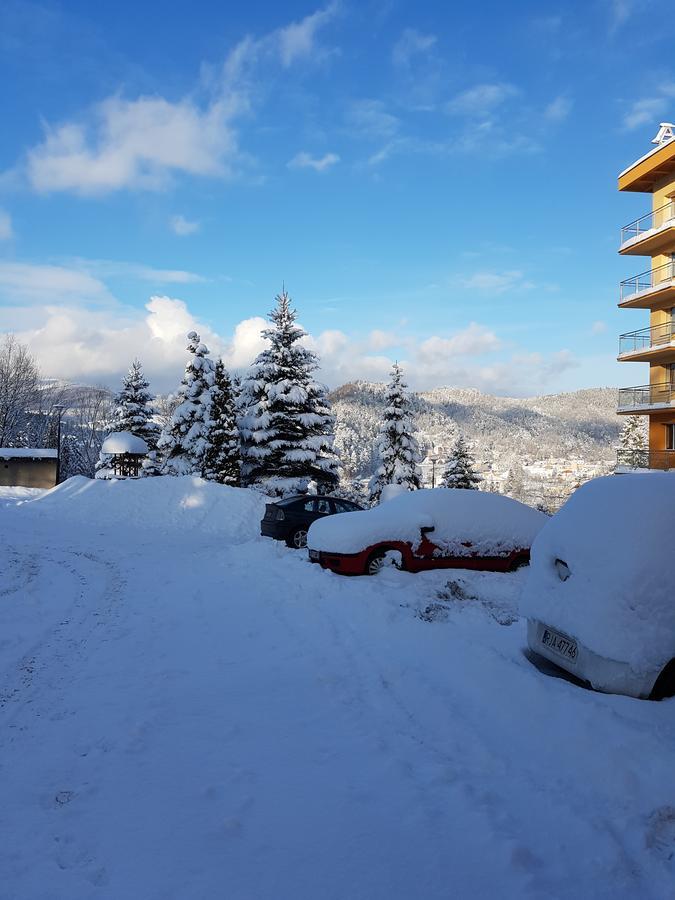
(434,183)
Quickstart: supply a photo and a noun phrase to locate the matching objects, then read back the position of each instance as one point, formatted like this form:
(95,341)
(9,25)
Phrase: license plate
(560,644)
(314,554)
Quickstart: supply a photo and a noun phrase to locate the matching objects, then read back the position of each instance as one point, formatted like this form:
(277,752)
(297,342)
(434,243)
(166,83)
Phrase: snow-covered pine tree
(286,423)
(633,442)
(222,460)
(459,470)
(133,412)
(396,443)
(184,441)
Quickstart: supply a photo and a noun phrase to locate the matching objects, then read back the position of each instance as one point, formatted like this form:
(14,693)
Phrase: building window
(670,436)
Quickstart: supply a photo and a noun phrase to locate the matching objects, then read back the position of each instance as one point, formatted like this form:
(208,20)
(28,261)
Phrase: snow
(212,716)
(163,505)
(124,442)
(27,453)
(16,494)
(615,535)
(491,523)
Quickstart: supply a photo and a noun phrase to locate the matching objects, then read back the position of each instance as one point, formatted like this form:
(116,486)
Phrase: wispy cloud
(303,160)
(481,99)
(497,282)
(182,226)
(371,119)
(6,229)
(299,39)
(598,327)
(28,283)
(110,268)
(411,44)
(558,110)
(620,12)
(648,110)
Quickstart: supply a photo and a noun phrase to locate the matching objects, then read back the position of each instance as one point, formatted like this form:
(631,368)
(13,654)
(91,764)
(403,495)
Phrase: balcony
(646,397)
(653,344)
(627,460)
(654,289)
(650,234)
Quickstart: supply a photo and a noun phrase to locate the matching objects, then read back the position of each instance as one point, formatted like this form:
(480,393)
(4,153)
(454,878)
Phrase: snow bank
(616,536)
(27,453)
(491,523)
(124,442)
(161,505)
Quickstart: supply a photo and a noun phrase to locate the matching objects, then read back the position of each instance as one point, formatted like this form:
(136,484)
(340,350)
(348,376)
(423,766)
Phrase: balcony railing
(650,222)
(646,459)
(646,338)
(646,395)
(647,281)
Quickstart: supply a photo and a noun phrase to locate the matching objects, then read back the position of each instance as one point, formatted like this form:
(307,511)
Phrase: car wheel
(377,561)
(664,686)
(298,539)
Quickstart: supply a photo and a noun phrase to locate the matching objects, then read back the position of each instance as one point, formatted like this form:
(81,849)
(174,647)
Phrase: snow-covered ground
(190,711)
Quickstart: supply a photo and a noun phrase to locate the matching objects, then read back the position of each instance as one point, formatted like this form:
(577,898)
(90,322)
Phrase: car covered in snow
(429,529)
(600,596)
(289,519)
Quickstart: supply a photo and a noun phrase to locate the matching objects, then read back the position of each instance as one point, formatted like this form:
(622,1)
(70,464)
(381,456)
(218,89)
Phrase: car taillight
(280,515)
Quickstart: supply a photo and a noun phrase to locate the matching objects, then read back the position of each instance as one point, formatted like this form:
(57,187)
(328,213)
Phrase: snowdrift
(491,523)
(160,505)
(615,534)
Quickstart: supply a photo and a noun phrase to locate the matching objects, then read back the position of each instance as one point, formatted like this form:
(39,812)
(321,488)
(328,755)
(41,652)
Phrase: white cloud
(558,110)
(23,282)
(369,118)
(143,142)
(598,327)
(6,230)
(620,11)
(182,226)
(109,268)
(298,40)
(497,282)
(481,99)
(303,160)
(410,44)
(645,111)
(135,144)
(473,340)
(96,345)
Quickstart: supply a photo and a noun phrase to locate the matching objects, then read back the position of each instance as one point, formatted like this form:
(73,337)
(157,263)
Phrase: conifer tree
(459,470)
(133,412)
(396,443)
(286,424)
(222,460)
(633,442)
(184,441)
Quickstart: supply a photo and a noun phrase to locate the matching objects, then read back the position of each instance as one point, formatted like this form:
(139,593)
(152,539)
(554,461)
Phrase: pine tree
(633,442)
(184,441)
(133,412)
(459,470)
(286,424)
(222,460)
(396,443)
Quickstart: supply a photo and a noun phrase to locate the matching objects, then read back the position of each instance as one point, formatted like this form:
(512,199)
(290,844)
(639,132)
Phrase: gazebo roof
(124,442)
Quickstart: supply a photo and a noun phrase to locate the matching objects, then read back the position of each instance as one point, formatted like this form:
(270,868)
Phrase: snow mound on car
(616,536)
(490,523)
(165,504)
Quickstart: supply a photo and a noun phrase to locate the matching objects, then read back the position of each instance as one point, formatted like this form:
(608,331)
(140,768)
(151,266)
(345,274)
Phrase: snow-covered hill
(569,431)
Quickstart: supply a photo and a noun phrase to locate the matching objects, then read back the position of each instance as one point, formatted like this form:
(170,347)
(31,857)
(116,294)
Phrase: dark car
(289,519)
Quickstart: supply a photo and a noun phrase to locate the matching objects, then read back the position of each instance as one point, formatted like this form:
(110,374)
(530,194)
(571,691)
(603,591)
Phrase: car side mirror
(427,529)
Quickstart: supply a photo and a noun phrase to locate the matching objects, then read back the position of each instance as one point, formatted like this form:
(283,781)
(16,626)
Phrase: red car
(429,529)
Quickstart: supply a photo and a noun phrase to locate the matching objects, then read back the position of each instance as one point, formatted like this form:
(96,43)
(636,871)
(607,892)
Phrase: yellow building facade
(653,290)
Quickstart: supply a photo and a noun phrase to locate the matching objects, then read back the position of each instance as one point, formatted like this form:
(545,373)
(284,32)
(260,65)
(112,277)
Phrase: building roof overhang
(644,174)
